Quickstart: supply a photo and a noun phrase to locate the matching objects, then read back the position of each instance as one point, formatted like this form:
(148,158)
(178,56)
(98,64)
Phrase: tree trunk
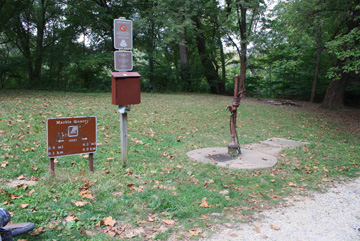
(243,47)
(151,52)
(317,67)
(334,97)
(40,44)
(223,64)
(213,79)
(319,46)
(184,61)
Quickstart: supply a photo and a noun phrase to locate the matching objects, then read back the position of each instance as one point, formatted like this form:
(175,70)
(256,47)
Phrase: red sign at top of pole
(123,27)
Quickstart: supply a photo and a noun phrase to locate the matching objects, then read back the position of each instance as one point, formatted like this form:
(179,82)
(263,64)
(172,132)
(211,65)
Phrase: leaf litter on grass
(159,183)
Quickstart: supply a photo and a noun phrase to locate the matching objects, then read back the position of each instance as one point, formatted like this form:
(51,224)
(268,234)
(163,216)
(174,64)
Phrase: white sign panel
(123,36)
(123,60)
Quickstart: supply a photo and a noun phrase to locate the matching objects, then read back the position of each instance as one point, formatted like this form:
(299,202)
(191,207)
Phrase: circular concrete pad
(248,159)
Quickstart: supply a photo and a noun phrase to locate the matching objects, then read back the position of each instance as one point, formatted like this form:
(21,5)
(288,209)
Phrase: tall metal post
(124,133)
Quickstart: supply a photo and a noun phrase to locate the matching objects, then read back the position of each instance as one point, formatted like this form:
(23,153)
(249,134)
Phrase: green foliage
(346,48)
(181,46)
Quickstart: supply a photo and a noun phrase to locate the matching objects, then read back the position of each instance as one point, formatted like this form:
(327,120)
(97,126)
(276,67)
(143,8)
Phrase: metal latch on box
(124,109)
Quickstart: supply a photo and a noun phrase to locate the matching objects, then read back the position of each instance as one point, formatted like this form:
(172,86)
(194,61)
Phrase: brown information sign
(70,136)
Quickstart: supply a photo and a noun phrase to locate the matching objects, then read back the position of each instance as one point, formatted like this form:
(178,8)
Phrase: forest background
(295,49)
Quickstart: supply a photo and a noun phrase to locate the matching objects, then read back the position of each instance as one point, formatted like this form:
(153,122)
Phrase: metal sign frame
(123,34)
(123,65)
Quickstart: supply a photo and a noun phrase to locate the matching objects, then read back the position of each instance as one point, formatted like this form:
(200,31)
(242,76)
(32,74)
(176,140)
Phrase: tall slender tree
(244,17)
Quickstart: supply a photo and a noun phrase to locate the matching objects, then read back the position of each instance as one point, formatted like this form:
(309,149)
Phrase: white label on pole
(123,60)
(123,36)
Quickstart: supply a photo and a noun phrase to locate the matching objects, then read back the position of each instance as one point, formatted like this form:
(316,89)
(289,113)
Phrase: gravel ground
(334,215)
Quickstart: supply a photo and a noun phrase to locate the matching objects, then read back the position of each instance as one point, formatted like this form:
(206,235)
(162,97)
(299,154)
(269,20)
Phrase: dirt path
(334,216)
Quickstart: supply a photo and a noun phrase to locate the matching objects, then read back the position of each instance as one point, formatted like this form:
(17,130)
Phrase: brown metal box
(125,88)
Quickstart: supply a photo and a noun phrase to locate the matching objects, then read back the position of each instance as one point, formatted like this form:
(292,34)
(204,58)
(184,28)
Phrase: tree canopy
(303,49)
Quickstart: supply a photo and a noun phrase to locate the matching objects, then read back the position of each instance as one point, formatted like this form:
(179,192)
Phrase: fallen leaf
(256,229)
(168,221)
(87,184)
(234,235)
(325,170)
(12,196)
(71,218)
(25,205)
(33,178)
(87,232)
(224,192)
(291,184)
(228,225)
(130,186)
(21,177)
(87,194)
(274,227)
(137,141)
(79,203)
(4,164)
(111,234)
(129,172)
(195,232)
(38,231)
(109,221)
(204,204)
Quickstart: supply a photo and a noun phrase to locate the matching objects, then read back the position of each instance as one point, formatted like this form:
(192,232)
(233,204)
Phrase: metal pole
(124,138)
(124,134)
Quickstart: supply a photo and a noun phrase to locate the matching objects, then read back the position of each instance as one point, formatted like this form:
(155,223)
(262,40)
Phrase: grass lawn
(161,192)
